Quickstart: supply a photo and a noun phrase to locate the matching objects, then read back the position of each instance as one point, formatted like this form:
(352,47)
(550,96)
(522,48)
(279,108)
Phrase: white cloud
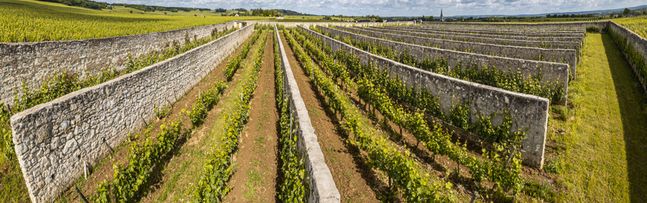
(404,7)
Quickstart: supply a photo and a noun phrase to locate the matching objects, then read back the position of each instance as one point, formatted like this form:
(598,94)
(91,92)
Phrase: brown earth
(256,159)
(177,181)
(440,165)
(104,169)
(346,170)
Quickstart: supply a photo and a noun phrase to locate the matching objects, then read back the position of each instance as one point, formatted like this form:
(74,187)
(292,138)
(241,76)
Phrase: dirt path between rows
(255,174)
(104,169)
(177,179)
(345,169)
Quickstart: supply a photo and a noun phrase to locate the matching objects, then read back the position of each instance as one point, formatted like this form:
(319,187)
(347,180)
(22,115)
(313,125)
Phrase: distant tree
(81,3)
(626,12)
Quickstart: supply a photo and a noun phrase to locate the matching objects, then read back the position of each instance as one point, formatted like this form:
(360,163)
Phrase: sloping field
(33,21)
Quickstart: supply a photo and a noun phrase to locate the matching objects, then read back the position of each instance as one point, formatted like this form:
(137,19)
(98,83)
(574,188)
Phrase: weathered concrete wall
(551,72)
(322,184)
(476,38)
(628,40)
(568,56)
(529,113)
(32,63)
(345,24)
(53,140)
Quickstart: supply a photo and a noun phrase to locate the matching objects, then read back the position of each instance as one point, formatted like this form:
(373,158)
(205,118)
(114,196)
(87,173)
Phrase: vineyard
(183,109)
(35,21)
(637,25)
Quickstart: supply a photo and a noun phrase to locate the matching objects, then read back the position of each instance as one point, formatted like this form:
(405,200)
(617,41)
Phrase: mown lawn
(30,21)
(605,137)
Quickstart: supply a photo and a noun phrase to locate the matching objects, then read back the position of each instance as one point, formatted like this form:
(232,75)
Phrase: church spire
(442,19)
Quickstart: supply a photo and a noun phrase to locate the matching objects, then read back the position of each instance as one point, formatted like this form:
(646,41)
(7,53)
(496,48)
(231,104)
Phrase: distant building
(442,18)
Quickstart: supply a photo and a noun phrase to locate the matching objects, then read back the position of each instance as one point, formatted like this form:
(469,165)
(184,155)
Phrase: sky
(404,7)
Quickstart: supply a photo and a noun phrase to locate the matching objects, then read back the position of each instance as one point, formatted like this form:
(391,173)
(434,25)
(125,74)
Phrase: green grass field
(605,133)
(636,24)
(31,21)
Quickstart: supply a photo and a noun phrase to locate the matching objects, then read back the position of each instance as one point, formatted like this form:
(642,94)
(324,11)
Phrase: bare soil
(177,182)
(104,169)
(347,171)
(256,160)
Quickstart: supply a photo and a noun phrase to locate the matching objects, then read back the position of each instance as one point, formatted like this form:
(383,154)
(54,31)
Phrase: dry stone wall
(32,63)
(555,27)
(551,72)
(634,48)
(489,40)
(529,113)
(522,32)
(54,141)
(493,35)
(322,185)
(568,56)
(538,29)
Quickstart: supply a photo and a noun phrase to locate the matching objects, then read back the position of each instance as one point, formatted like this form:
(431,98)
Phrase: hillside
(32,21)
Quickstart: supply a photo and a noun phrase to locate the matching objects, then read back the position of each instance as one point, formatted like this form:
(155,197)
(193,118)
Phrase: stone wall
(530,29)
(568,56)
(555,26)
(634,48)
(550,72)
(322,185)
(520,32)
(494,35)
(32,63)
(529,113)
(484,39)
(55,140)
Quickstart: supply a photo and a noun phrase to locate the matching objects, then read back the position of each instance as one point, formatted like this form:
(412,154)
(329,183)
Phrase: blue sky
(404,7)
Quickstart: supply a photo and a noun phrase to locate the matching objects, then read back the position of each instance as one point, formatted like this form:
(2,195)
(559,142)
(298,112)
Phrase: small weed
(559,112)
(552,166)
(162,111)
(538,190)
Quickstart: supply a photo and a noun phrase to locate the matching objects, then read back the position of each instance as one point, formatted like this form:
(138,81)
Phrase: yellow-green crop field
(32,21)
(636,24)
